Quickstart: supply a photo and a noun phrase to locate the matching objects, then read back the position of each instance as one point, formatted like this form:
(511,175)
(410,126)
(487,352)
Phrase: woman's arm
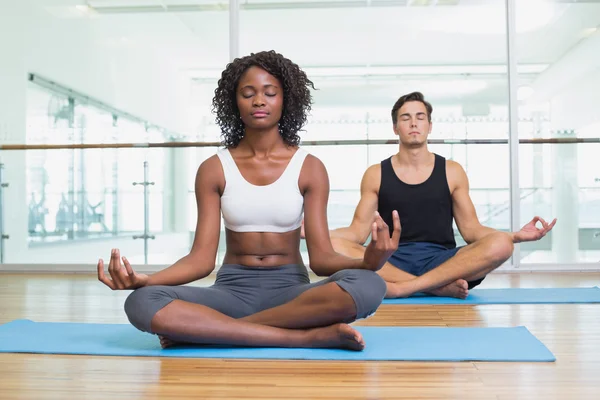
(201,259)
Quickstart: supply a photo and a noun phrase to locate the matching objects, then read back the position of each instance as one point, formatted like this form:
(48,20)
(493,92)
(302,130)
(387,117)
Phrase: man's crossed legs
(434,269)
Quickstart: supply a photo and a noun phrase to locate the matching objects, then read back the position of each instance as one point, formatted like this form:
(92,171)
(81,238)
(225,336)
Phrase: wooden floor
(571,332)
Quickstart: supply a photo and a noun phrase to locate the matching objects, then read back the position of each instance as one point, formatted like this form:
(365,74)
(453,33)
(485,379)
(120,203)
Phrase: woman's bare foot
(339,336)
(165,342)
(458,289)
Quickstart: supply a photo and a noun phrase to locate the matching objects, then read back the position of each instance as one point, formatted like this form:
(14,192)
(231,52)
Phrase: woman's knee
(143,303)
(366,288)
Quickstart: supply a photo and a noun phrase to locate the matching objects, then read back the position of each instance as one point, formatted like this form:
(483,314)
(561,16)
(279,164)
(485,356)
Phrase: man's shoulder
(455,174)
(372,178)
(373,171)
(454,167)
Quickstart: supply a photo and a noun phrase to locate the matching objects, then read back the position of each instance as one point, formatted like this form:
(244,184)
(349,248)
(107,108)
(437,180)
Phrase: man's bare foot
(339,336)
(458,289)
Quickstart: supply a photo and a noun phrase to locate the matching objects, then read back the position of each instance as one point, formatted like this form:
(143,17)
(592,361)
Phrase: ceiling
(358,34)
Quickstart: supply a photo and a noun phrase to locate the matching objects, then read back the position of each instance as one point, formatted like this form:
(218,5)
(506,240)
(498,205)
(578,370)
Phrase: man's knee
(339,244)
(366,288)
(343,246)
(501,247)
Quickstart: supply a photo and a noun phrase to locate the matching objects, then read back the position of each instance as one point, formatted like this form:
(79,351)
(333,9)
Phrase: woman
(262,183)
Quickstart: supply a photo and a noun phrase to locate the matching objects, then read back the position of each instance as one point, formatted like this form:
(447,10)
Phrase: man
(429,192)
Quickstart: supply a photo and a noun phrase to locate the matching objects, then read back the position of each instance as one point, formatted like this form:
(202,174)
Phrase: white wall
(571,84)
(118,70)
(77,53)
(12,125)
(576,106)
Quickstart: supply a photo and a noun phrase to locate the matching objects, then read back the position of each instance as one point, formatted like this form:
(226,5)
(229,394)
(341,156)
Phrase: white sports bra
(277,207)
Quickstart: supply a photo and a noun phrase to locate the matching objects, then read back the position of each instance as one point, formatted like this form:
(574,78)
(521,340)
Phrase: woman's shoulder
(308,158)
(312,167)
(211,166)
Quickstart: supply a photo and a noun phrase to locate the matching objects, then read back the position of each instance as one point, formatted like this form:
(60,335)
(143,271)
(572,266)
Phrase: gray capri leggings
(240,291)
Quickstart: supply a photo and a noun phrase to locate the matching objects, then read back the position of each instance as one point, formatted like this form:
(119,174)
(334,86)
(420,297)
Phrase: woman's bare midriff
(262,249)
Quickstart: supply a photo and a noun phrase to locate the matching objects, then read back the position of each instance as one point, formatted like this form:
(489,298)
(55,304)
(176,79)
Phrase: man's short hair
(414,96)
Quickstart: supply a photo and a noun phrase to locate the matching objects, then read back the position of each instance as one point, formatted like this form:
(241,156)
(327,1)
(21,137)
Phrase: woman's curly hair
(296,96)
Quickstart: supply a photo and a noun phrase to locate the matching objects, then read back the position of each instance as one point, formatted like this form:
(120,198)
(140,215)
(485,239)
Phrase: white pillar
(565,199)
(13,88)
(176,215)
(180,190)
(538,159)
(565,121)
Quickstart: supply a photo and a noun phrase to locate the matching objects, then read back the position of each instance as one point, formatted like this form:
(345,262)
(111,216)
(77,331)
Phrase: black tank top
(425,209)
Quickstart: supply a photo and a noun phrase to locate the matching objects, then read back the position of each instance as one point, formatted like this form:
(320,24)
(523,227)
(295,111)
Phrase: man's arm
(463,208)
(324,260)
(466,217)
(360,227)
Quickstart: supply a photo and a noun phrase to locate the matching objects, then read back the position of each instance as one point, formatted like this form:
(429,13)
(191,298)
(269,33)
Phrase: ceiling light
(524,92)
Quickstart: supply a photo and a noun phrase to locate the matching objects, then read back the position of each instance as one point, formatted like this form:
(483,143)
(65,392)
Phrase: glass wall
(136,73)
(91,75)
(363,58)
(560,180)
(77,194)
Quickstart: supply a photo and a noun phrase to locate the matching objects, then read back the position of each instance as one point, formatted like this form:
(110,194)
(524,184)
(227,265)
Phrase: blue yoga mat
(382,343)
(511,296)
